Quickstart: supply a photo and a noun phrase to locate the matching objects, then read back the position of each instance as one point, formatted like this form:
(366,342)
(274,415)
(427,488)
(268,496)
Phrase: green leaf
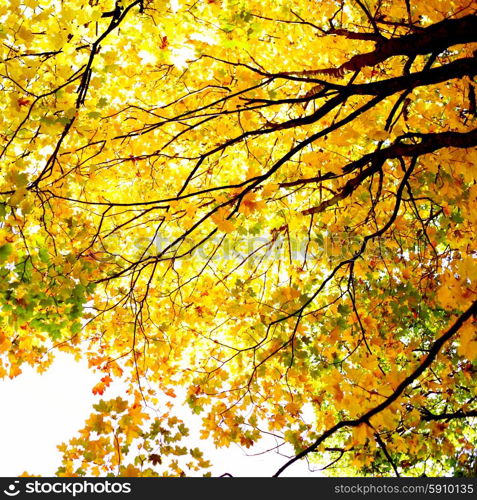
(5,252)
(102,102)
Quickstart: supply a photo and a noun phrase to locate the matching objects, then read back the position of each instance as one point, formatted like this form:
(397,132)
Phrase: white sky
(41,411)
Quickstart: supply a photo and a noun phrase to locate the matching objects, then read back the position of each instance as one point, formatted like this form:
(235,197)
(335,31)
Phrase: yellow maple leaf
(130,471)
(468,341)
(250,204)
(222,223)
(360,434)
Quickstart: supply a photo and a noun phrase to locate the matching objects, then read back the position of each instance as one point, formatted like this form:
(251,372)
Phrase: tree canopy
(262,209)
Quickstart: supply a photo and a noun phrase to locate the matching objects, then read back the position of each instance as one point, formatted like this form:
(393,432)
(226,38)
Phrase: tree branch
(434,38)
(431,356)
(449,416)
(428,144)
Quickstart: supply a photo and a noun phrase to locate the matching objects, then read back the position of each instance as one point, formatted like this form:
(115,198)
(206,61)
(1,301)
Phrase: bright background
(41,411)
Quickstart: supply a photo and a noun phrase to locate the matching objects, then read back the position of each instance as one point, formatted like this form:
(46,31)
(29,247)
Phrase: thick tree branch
(462,67)
(434,38)
(428,143)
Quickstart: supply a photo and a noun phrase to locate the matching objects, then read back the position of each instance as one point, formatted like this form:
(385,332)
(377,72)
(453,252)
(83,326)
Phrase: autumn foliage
(264,210)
